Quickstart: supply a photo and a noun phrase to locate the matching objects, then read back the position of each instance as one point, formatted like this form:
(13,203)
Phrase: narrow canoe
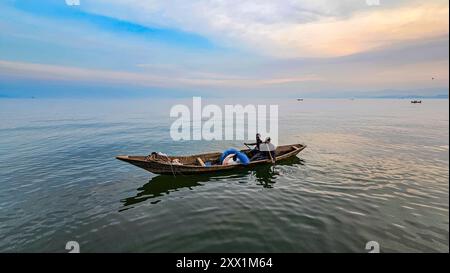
(194,164)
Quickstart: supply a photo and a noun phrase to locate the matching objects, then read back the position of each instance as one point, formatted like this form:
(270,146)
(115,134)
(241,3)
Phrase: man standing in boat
(262,150)
(268,149)
(257,144)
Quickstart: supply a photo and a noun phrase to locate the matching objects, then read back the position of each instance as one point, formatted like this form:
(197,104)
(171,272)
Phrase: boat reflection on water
(265,176)
(162,185)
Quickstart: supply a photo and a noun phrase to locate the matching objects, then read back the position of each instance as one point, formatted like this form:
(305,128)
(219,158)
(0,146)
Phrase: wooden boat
(195,164)
(416,101)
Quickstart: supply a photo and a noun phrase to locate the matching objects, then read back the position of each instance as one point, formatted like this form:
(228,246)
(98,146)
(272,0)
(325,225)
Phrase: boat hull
(157,167)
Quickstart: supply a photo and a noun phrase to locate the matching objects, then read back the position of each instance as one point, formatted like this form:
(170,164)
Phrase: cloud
(261,46)
(291,28)
(412,60)
(191,79)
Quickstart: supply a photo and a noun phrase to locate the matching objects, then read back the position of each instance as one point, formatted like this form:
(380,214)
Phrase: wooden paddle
(270,154)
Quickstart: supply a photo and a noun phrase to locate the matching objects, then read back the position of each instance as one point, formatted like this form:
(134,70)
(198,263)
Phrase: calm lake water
(374,170)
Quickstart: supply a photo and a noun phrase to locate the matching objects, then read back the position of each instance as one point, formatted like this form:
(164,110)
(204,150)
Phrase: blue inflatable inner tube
(227,153)
(242,157)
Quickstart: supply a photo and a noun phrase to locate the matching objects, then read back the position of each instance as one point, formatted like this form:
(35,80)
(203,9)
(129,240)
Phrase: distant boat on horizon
(299,99)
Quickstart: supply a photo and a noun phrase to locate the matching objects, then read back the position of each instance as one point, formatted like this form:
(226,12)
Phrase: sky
(218,48)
